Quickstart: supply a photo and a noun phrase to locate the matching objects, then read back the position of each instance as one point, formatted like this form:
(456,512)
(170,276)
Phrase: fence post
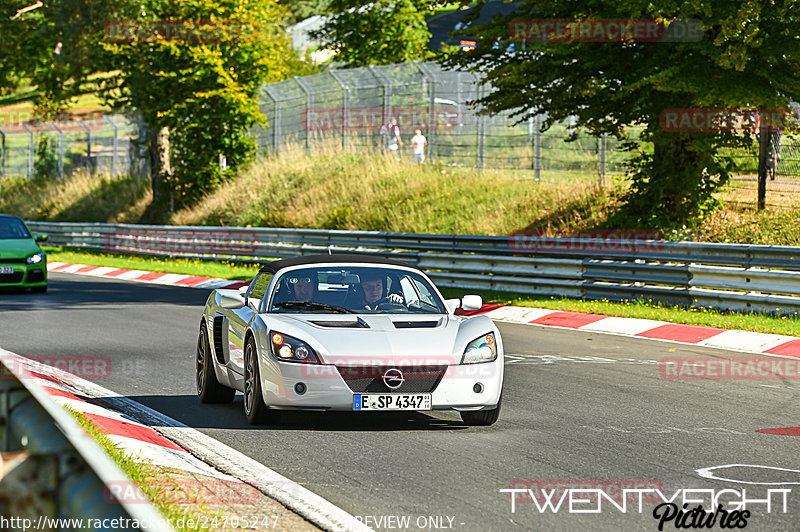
(276,122)
(481,127)
(387,92)
(60,150)
(431,107)
(2,154)
(88,145)
(537,148)
(601,159)
(30,150)
(114,157)
(345,105)
(309,104)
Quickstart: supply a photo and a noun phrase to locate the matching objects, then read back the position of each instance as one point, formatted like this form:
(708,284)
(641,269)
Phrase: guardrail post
(309,105)
(601,159)
(30,150)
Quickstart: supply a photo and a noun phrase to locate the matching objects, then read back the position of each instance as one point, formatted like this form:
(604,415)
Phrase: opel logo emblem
(393,378)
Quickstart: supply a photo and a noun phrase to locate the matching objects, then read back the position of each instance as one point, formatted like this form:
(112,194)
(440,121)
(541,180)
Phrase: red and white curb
(731,339)
(171,279)
(132,426)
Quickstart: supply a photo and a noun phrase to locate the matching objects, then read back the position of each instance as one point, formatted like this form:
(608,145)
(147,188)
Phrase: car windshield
(12,228)
(355,289)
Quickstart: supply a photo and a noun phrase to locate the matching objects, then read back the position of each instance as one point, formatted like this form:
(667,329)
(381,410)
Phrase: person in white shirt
(418,143)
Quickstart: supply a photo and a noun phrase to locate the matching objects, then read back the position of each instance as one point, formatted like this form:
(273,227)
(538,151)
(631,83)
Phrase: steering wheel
(384,301)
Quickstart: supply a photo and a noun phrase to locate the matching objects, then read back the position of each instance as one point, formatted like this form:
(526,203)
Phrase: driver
(304,287)
(372,283)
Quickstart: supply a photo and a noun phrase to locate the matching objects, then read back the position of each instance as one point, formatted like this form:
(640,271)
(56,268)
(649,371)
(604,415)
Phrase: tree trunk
(160,168)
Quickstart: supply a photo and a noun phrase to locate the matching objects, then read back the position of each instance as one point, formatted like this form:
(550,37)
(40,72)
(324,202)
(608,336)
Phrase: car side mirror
(41,237)
(471,302)
(452,304)
(231,302)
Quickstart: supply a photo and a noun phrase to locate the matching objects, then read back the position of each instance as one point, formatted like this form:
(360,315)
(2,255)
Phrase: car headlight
(289,349)
(35,259)
(483,349)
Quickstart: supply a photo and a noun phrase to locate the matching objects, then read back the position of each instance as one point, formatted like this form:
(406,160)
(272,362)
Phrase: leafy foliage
(376,33)
(204,92)
(749,57)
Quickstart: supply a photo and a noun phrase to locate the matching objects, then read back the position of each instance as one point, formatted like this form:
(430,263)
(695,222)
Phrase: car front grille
(11,278)
(35,276)
(418,379)
(12,261)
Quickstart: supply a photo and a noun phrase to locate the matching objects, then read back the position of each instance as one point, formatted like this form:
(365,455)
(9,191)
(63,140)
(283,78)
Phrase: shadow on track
(65,292)
(188,410)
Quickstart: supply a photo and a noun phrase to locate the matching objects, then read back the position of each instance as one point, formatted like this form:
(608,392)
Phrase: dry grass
(80,197)
(338,189)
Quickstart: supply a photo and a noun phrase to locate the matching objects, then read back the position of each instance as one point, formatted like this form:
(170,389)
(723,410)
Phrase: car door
(240,320)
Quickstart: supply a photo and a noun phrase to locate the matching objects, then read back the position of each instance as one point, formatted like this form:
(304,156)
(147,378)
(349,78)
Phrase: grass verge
(787,325)
(156,485)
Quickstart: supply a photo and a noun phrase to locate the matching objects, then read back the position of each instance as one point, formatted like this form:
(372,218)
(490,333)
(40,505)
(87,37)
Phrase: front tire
(209,390)
(482,418)
(254,408)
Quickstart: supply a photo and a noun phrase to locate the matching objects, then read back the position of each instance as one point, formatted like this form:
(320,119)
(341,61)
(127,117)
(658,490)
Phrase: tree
(298,10)
(195,80)
(378,33)
(748,56)
(53,46)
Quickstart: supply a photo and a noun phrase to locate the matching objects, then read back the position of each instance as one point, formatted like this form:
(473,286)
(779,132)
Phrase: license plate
(6,269)
(391,402)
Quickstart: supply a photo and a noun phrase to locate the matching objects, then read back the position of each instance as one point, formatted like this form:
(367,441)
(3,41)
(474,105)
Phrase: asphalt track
(580,408)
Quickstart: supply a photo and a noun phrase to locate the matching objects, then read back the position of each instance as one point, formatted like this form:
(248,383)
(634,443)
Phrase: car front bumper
(24,275)
(325,389)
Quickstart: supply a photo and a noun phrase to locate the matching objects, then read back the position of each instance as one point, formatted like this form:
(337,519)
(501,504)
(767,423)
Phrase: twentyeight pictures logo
(680,508)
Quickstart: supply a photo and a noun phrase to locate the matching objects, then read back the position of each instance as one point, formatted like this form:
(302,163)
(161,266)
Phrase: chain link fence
(108,145)
(348,108)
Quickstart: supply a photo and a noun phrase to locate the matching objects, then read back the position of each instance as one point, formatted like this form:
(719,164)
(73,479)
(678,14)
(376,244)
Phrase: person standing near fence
(418,143)
(393,141)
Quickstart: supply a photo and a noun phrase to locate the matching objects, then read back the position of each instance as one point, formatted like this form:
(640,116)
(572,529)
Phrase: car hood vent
(358,324)
(416,324)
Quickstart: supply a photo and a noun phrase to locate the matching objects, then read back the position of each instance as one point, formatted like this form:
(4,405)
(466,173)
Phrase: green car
(23,264)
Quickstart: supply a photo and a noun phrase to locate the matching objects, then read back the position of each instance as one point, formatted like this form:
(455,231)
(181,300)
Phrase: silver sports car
(348,332)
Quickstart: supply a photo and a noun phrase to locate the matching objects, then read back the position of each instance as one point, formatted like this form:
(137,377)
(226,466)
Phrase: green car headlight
(35,259)
(483,349)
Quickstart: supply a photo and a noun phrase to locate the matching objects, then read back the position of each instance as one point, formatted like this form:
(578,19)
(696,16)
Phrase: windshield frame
(266,306)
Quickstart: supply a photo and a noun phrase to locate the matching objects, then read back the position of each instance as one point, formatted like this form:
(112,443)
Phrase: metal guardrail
(32,422)
(728,276)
